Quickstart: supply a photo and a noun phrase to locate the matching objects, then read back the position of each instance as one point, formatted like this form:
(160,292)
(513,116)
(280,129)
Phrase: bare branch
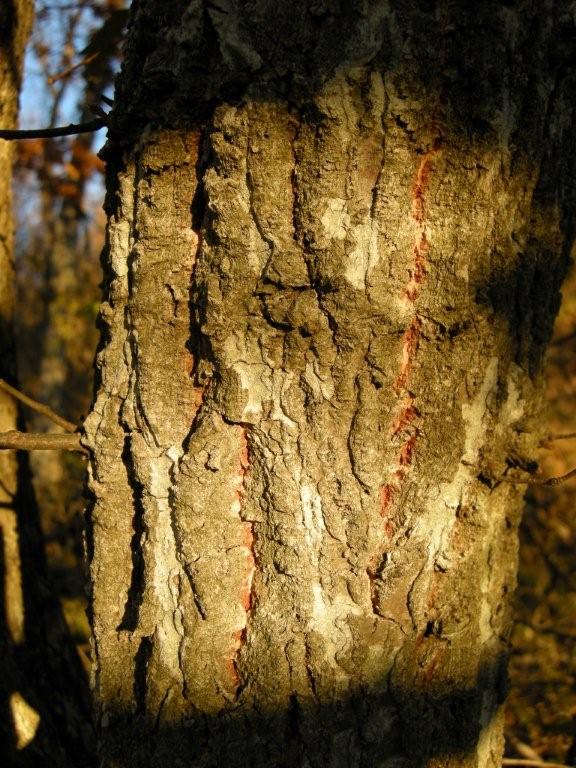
(72,68)
(537,763)
(524,750)
(556,436)
(554,480)
(50,133)
(33,441)
(45,410)
(535,479)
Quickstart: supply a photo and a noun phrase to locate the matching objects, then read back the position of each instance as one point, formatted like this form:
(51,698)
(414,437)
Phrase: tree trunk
(336,238)
(44,704)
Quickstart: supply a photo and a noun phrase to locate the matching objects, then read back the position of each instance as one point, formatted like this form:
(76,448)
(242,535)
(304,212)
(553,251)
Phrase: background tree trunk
(336,239)
(44,703)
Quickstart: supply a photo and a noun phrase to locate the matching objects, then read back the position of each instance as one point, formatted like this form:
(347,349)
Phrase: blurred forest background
(73,54)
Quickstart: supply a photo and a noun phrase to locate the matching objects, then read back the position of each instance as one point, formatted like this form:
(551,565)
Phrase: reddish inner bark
(245,597)
(404,427)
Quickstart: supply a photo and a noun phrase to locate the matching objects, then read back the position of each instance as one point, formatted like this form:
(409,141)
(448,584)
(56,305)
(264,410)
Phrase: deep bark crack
(135,594)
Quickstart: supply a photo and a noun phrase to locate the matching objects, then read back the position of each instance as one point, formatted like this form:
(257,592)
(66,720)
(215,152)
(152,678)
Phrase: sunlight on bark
(13,595)
(25,719)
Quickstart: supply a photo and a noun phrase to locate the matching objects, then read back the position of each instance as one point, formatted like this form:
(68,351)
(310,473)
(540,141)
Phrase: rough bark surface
(44,698)
(332,268)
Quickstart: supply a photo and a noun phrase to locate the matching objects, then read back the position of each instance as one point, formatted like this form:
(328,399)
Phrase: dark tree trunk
(337,233)
(44,696)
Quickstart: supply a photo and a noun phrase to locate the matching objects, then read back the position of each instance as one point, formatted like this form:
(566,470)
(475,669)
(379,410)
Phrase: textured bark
(44,702)
(332,268)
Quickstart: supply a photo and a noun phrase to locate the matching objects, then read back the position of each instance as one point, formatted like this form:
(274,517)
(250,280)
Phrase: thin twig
(34,441)
(536,480)
(557,436)
(72,68)
(45,410)
(553,480)
(51,133)
(537,763)
(524,750)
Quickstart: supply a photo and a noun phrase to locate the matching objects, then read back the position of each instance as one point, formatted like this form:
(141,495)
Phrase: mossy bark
(330,277)
(44,695)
